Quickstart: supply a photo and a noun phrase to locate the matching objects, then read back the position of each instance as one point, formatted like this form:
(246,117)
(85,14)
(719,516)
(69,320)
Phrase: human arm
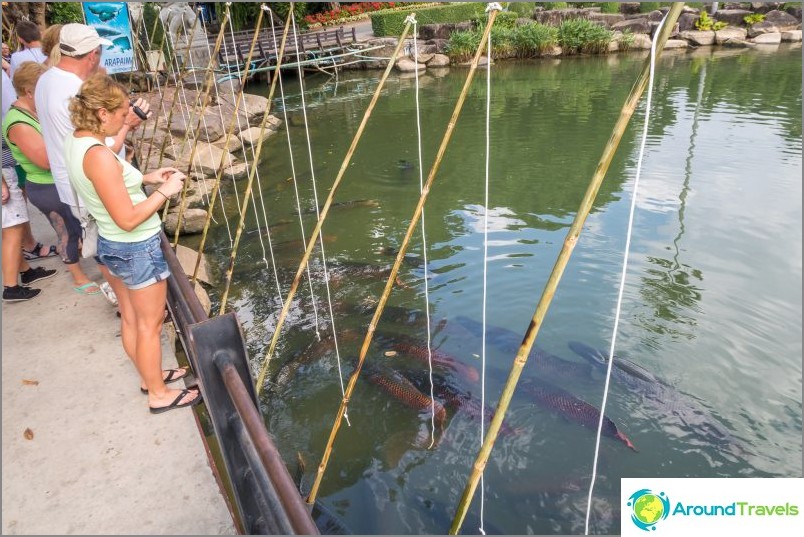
(105,172)
(131,123)
(30,143)
(6,193)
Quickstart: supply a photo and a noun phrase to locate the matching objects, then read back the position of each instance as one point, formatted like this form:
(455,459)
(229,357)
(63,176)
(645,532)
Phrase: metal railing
(266,498)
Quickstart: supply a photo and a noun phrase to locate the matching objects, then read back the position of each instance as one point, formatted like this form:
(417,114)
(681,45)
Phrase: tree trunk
(14,12)
(37,11)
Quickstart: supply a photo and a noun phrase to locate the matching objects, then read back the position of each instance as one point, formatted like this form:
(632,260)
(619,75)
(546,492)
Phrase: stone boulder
(608,19)
(794,10)
(193,221)
(730,32)
(438,60)
(630,8)
(554,17)
(443,30)
(737,43)
(792,36)
(641,42)
(407,65)
(675,44)
(732,17)
(768,39)
(635,26)
(781,19)
(686,22)
(699,38)
(765,7)
(251,136)
(210,128)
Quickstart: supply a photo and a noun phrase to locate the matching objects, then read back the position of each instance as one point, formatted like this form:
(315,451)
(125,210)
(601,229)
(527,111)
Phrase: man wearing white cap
(80,47)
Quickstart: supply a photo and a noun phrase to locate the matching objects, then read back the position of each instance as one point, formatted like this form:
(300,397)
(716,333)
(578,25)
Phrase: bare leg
(149,308)
(79,278)
(12,254)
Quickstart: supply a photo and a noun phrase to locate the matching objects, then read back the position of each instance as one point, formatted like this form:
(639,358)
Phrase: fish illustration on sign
(105,12)
(123,43)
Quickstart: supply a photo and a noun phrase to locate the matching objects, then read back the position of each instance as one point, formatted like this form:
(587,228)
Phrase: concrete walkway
(81,452)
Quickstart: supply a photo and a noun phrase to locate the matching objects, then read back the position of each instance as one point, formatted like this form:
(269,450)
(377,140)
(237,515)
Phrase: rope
(295,182)
(492,6)
(628,234)
(401,254)
(324,212)
(318,216)
(412,19)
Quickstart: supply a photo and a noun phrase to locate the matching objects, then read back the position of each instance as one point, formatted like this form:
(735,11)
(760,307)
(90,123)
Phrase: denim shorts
(137,264)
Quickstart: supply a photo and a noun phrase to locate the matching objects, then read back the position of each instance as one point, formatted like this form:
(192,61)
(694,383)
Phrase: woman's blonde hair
(50,44)
(99,91)
(26,76)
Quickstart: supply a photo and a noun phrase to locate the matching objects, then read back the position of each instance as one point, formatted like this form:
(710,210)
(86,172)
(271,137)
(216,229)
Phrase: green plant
(462,45)
(609,7)
(754,18)
(534,39)
(647,7)
(64,12)
(393,22)
(504,19)
(581,35)
(705,23)
(522,9)
(627,40)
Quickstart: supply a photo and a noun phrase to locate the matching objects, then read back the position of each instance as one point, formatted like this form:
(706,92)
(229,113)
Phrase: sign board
(112,22)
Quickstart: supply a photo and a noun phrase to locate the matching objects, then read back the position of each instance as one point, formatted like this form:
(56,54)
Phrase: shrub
(754,18)
(462,45)
(581,35)
(392,23)
(64,12)
(609,7)
(522,9)
(705,22)
(534,39)
(627,40)
(647,7)
(504,19)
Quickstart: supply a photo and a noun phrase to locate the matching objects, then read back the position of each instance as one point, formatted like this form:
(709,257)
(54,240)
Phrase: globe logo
(648,508)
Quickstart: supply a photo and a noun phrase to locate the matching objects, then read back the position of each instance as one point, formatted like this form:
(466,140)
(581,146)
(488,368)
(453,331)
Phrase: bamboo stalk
(252,173)
(400,257)
(162,93)
(219,173)
(179,82)
(558,269)
(208,82)
(311,243)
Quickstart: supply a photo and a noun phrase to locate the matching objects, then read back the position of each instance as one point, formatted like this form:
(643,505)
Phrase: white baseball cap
(78,39)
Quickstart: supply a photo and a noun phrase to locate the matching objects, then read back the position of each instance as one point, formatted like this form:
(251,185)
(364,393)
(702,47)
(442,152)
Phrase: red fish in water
(418,350)
(404,391)
(572,408)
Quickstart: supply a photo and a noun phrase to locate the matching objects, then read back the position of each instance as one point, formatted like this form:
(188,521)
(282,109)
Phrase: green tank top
(74,151)
(30,171)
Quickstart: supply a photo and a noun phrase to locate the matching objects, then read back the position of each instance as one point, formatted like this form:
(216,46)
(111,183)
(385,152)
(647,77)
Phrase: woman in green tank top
(129,229)
(24,136)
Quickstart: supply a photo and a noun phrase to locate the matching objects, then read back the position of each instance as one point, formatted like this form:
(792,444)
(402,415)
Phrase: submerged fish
(509,341)
(351,204)
(572,408)
(418,350)
(404,391)
(596,357)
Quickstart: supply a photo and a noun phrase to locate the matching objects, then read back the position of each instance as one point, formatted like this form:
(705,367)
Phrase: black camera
(137,110)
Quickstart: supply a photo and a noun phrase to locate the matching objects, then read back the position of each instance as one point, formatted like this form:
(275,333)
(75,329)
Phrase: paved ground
(81,452)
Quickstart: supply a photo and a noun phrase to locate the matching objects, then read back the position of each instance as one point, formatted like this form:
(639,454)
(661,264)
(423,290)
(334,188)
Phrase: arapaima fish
(404,391)
(572,408)
(418,350)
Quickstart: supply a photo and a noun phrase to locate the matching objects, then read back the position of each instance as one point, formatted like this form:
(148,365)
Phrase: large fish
(418,350)
(404,391)
(556,367)
(351,204)
(664,399)
(570,407)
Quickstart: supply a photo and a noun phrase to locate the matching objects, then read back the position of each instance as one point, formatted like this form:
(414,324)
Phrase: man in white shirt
(80,47)
(29,36)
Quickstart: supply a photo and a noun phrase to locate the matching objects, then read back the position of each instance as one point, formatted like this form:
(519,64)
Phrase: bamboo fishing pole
(178,80)
(558,269)
(325,209)
(253,170)
(208,82)
(149,39)
(219,172)
(401,255)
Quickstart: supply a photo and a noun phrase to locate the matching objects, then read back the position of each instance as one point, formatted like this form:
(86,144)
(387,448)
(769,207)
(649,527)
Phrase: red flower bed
(349,10)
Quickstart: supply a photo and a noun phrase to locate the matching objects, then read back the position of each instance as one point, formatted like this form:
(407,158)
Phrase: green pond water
(711,304)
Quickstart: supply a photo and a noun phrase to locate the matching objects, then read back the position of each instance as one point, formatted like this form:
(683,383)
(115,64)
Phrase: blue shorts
(137,264)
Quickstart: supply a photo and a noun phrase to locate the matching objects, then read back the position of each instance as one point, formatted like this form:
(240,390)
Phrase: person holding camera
(129,231)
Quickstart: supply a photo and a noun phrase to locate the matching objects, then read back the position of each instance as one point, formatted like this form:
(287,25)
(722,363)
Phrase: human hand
(159,176)
(174,184)
(6,194)
(133,120)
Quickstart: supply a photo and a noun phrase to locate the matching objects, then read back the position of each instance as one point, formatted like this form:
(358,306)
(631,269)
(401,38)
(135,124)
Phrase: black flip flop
(36,253)
(176,404)
(171,378)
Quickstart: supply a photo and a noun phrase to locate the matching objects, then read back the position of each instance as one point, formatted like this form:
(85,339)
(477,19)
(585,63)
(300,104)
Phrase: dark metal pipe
(266,496)
(288,493)
(182,285)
